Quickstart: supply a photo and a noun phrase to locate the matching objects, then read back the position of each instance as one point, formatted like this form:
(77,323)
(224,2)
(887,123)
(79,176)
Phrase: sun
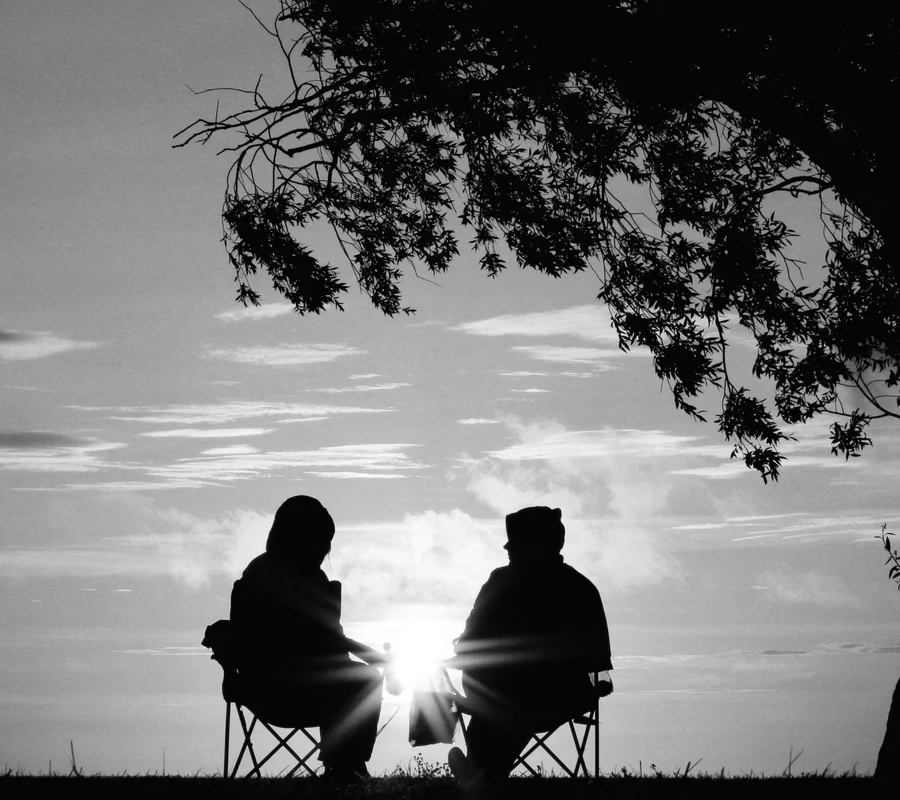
(419,645)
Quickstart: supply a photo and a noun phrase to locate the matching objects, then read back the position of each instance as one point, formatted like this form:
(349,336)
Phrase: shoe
(459,765)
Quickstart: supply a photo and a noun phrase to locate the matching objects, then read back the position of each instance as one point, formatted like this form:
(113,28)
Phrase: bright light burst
(420,641)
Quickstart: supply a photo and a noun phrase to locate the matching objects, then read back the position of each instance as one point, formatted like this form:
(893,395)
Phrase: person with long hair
(292,647)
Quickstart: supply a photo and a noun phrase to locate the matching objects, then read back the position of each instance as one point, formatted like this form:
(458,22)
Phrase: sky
(151,426)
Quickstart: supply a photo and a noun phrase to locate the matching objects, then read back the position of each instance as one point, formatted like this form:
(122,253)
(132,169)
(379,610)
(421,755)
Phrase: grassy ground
(404,787)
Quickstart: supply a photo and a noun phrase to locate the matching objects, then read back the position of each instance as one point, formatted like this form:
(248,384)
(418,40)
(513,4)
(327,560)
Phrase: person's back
(536,631)
(288,620)
(292,652)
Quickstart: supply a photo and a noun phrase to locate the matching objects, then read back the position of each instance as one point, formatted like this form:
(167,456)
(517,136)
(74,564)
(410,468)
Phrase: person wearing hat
(292,646)
(536,631)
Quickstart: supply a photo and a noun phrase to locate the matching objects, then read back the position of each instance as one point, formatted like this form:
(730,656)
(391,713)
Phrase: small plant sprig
(893,556)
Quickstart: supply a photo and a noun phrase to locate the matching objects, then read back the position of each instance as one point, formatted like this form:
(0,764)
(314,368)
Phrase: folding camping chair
(236,692)
(580,727)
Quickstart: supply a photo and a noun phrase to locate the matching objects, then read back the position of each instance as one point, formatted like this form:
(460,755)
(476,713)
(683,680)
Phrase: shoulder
(575,579)
(500,575)
(258,567)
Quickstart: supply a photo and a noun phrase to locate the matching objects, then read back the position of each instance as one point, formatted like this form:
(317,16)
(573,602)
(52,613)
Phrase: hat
(535,528)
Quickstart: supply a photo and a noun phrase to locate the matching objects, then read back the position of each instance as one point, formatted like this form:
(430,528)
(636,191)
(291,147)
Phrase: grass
(422,780)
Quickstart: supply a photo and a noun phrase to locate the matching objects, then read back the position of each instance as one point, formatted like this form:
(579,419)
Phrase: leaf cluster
(893,556)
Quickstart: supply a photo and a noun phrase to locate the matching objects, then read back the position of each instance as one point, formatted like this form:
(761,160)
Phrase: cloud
(587,322)
(612,490)
(24,564)
(28,345)
(542,442)
(861,649)
(378,387)
(351,475)
(433,558)
(256,313)
(232,450)
(207,433)
(531,391)
(224,413)
(43,451)
(247,464)
(166,541)
(736,468)
(574,355)
(477,421)
(810,588)
(29,440)
(289,355)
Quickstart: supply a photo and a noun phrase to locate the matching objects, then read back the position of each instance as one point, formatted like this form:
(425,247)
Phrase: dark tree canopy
(405,117)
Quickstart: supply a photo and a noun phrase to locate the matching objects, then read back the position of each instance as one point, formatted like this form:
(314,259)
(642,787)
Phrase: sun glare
(419,646)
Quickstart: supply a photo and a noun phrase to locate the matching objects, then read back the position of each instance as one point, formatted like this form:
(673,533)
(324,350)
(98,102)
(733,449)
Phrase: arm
(366,653)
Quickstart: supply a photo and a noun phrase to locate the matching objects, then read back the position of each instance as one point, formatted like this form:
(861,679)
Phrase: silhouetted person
(292,646)
(536,631)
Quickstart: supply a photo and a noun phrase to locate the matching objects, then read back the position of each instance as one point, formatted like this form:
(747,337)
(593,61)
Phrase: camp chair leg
(539,741)
(579,748)
(227,737)
(591,721)
(302,762)
(247,744)
(282,743)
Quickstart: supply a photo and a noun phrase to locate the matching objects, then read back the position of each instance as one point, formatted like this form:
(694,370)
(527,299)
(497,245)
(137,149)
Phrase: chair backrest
(221,637)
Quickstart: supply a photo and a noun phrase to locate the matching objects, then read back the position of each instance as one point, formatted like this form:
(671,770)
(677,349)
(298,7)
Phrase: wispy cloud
(42,451)
(28,345)
(594,356)
(288,355)
(232,450)
(245,465)
(207,433)
(555,442)
(554,374)
(736,468)
(374,387)
(432,558)
(813,588)
(224,413)
(37,440)
(531,391)
(478,421)
(164,541)
(343,476)
(256,313)
(589,322)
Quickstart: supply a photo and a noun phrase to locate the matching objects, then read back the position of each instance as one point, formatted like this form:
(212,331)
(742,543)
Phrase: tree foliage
(404,117)
(893,558)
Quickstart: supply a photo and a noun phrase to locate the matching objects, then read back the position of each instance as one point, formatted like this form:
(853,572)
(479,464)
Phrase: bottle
(392,681)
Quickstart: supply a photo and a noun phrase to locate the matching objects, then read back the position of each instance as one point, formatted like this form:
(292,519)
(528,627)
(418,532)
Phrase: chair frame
(247,744)
(580,728)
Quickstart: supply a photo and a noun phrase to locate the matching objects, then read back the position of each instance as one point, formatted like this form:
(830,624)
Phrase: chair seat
(278,708)
(588,720)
